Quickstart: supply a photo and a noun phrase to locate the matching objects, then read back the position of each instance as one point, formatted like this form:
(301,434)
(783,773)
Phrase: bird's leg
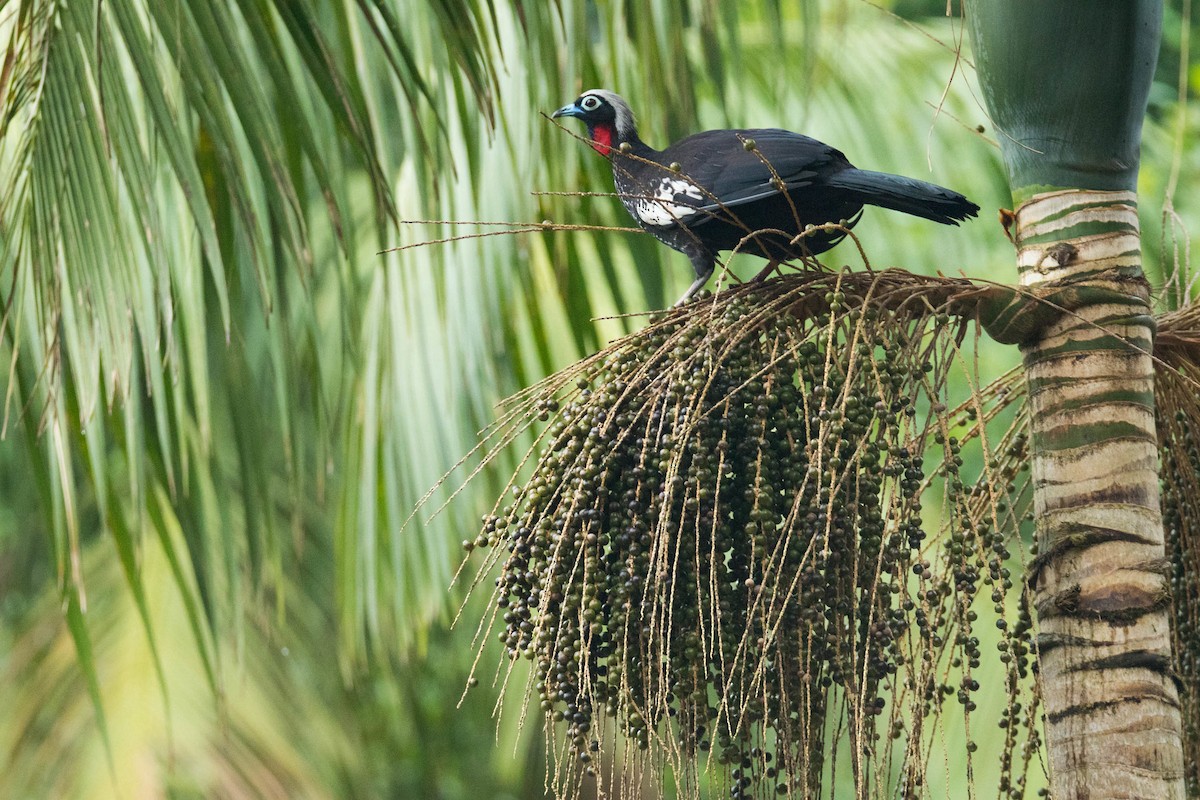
(772,267)
(703,263)
(695,287)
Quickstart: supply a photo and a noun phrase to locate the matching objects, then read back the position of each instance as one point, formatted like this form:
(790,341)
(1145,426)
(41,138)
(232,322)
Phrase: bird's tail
(909,195)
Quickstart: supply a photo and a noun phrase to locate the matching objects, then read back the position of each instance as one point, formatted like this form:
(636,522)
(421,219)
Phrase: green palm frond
(170,171)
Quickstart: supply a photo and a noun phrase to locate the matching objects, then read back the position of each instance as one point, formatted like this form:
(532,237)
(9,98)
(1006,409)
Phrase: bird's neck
(606,139)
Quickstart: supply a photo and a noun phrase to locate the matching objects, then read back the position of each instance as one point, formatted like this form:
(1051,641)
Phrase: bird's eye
(590,103)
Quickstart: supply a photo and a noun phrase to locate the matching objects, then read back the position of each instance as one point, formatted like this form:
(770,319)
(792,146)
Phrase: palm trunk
(1099,583)
(1066,83)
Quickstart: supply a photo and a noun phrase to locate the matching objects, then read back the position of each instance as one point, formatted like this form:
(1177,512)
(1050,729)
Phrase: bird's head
(607,116)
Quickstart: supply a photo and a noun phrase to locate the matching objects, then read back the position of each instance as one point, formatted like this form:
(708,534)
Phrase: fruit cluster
(723,542)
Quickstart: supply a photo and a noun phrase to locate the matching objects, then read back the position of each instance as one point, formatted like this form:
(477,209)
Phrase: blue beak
(571,110)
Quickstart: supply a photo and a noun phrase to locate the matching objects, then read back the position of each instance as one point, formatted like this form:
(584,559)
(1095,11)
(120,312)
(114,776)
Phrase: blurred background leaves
(222,401)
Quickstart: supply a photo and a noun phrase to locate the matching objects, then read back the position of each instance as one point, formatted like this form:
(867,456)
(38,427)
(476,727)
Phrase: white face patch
(626,128)
(661,207)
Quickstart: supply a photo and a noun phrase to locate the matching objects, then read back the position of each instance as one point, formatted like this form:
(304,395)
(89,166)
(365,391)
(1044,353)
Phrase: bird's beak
(571,110)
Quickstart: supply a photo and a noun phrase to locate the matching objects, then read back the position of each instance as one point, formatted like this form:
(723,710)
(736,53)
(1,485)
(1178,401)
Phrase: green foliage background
(222,401)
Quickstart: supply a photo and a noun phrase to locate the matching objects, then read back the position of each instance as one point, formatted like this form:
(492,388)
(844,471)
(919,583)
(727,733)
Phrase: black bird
(708,192)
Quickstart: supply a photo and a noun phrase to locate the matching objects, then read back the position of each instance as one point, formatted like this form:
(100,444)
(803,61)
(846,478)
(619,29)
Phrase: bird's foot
(696,286)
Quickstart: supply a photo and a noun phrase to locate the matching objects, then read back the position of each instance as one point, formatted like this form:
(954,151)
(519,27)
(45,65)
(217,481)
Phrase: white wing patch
(661,207)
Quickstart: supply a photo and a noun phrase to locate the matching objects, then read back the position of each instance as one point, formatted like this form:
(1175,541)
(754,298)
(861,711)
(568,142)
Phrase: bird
(764,191)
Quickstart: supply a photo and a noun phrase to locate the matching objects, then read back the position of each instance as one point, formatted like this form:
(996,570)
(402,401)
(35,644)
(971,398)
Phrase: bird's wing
(717,172)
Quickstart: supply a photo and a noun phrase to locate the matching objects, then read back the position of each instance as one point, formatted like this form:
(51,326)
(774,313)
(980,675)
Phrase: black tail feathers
(908,195)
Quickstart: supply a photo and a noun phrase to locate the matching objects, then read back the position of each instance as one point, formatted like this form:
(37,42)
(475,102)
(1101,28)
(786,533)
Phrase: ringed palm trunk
(1066,83)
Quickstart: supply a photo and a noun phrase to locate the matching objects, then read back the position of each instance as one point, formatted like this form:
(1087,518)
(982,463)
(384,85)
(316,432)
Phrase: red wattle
(602,139)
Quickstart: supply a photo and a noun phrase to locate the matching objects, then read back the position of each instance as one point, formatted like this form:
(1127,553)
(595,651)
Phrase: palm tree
(1072,149)
(223,403)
